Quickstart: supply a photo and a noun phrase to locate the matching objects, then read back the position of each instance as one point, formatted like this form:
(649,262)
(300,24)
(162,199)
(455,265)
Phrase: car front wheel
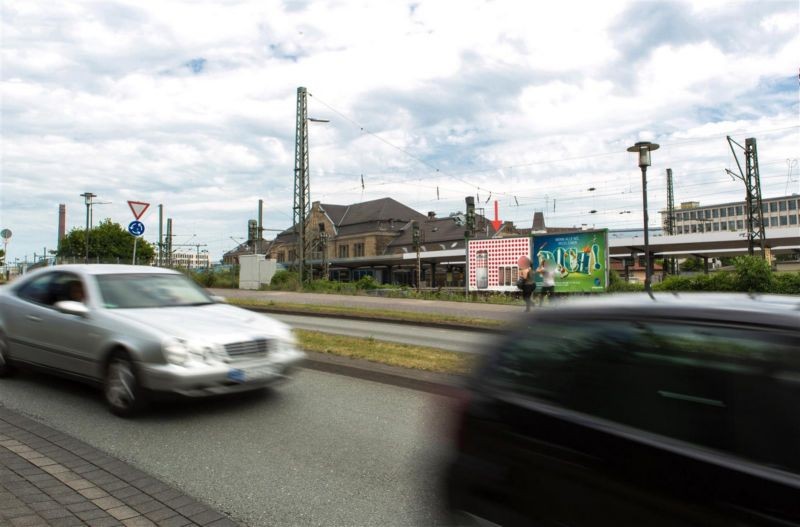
(6,368)
(123,393)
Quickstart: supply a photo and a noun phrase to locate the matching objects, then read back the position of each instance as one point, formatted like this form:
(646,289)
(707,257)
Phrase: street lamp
(87,198)
(644,148)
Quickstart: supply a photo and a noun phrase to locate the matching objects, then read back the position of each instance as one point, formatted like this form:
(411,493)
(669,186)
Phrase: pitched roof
(384,209)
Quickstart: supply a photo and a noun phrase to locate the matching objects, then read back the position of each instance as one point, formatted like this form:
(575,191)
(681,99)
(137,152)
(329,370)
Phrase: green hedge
(752,274)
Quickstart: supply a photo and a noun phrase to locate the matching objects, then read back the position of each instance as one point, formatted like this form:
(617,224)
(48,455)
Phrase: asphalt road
(324,449)
(447,339)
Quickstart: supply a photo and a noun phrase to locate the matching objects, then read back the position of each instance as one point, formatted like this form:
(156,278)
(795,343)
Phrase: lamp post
(644,148)
(87,198)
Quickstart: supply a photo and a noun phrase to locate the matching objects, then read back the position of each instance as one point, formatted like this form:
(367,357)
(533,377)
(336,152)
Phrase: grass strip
(391,353)
(368,313)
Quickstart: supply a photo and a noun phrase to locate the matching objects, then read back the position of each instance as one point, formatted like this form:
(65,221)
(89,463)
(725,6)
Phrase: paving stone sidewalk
(48,478)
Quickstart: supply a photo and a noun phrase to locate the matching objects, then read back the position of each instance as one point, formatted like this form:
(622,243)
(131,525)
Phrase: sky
(192,105)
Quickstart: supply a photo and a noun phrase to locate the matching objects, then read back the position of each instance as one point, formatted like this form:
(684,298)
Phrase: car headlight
(175,351)
(185,352)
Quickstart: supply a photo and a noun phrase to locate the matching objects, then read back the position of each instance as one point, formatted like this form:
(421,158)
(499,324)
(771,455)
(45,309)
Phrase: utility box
(255,269)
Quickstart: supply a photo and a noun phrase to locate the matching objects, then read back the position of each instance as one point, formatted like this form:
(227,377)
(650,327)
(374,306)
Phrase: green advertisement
(578,259)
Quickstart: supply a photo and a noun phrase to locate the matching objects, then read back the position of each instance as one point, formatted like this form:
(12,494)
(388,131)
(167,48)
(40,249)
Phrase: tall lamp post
(87,198)
(644,148)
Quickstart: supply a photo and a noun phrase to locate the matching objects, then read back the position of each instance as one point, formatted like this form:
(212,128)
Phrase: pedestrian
(526,282)
(547,270)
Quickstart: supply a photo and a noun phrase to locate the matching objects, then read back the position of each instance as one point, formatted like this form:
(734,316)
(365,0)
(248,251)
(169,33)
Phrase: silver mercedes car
(137,330)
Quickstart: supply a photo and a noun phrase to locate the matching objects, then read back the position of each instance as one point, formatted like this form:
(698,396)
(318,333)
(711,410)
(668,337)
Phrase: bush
(675,283)
(787,284)
(617,285)
(285,281)
(753,274)
(213,277)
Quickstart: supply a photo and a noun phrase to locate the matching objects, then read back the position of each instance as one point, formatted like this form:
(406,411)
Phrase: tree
(753,274)
(692,264)
(2,257)
(108,242)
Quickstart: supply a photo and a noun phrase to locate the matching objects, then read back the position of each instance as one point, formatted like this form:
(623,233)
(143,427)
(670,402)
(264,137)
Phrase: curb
(424,381)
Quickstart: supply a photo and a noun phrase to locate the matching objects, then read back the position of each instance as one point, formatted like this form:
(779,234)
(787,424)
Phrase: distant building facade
(691,217)
(190,260)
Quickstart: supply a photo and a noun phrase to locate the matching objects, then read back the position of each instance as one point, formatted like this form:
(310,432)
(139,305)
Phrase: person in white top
(547,270)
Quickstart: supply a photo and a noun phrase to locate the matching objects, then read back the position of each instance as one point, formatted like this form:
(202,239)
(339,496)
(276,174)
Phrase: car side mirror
(70,307)
(218,299)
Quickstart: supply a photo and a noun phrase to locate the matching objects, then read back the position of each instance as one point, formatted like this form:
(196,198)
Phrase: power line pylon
(302,189)
(670,215)
(752,183)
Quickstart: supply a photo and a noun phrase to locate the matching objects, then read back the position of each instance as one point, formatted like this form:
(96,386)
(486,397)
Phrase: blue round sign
(136,228)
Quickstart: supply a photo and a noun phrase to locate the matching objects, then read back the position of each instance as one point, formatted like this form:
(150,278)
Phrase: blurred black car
(626,410)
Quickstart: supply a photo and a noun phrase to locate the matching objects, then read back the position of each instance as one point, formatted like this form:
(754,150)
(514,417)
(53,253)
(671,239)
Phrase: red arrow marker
(496,222)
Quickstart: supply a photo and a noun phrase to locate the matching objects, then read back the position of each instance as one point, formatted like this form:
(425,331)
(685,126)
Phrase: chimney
(538,222)
(431,215)
(62,222)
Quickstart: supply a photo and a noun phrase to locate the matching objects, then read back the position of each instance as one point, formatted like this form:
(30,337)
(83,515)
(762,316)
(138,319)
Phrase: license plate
(250,374)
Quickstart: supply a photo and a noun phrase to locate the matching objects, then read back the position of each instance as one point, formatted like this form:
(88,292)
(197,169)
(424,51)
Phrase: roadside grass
(391,353)
(369,313)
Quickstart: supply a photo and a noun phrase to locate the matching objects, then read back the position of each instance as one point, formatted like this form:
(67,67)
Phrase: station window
(693,215)
(784,220)
(715,213)
(773,221)
(773,207)
(731,211)
(358,249)
(694,228)
(723,212)
(716,225)
(723,226)
(782,206)
(699,227)
(739,210)
(731,225)
(344,251)
(792,204)
(792,220)
(739,224)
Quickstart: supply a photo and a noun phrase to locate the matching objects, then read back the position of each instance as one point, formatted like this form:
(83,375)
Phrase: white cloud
(533,102)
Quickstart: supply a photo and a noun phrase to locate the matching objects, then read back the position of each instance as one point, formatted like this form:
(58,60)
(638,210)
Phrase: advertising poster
(494,263)
(579,259)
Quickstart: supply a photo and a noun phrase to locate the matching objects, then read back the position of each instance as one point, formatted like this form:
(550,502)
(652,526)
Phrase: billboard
(580,260)
(494,263)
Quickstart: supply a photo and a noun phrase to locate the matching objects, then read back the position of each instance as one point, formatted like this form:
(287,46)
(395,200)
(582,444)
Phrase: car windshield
(129,291)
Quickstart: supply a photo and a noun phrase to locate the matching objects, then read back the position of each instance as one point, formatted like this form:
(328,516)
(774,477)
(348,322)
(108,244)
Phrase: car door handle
(33,318)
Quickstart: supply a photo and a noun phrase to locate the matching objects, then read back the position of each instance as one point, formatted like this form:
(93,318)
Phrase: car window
(53,287)
(128,291)
(728,388)
(37,289)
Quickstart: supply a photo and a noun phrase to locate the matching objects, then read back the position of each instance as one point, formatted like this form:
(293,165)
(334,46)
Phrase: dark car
(627,410)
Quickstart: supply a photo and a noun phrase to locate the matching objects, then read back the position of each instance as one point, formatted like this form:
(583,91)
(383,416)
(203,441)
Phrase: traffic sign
(136,228)
(138,208)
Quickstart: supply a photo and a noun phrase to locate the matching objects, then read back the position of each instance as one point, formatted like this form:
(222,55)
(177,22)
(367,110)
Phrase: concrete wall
(254,270)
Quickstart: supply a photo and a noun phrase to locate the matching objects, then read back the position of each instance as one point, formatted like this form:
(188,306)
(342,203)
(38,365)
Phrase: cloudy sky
(192,105)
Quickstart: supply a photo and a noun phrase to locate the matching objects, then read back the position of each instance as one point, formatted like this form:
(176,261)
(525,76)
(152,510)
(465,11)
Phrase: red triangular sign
(138,208)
